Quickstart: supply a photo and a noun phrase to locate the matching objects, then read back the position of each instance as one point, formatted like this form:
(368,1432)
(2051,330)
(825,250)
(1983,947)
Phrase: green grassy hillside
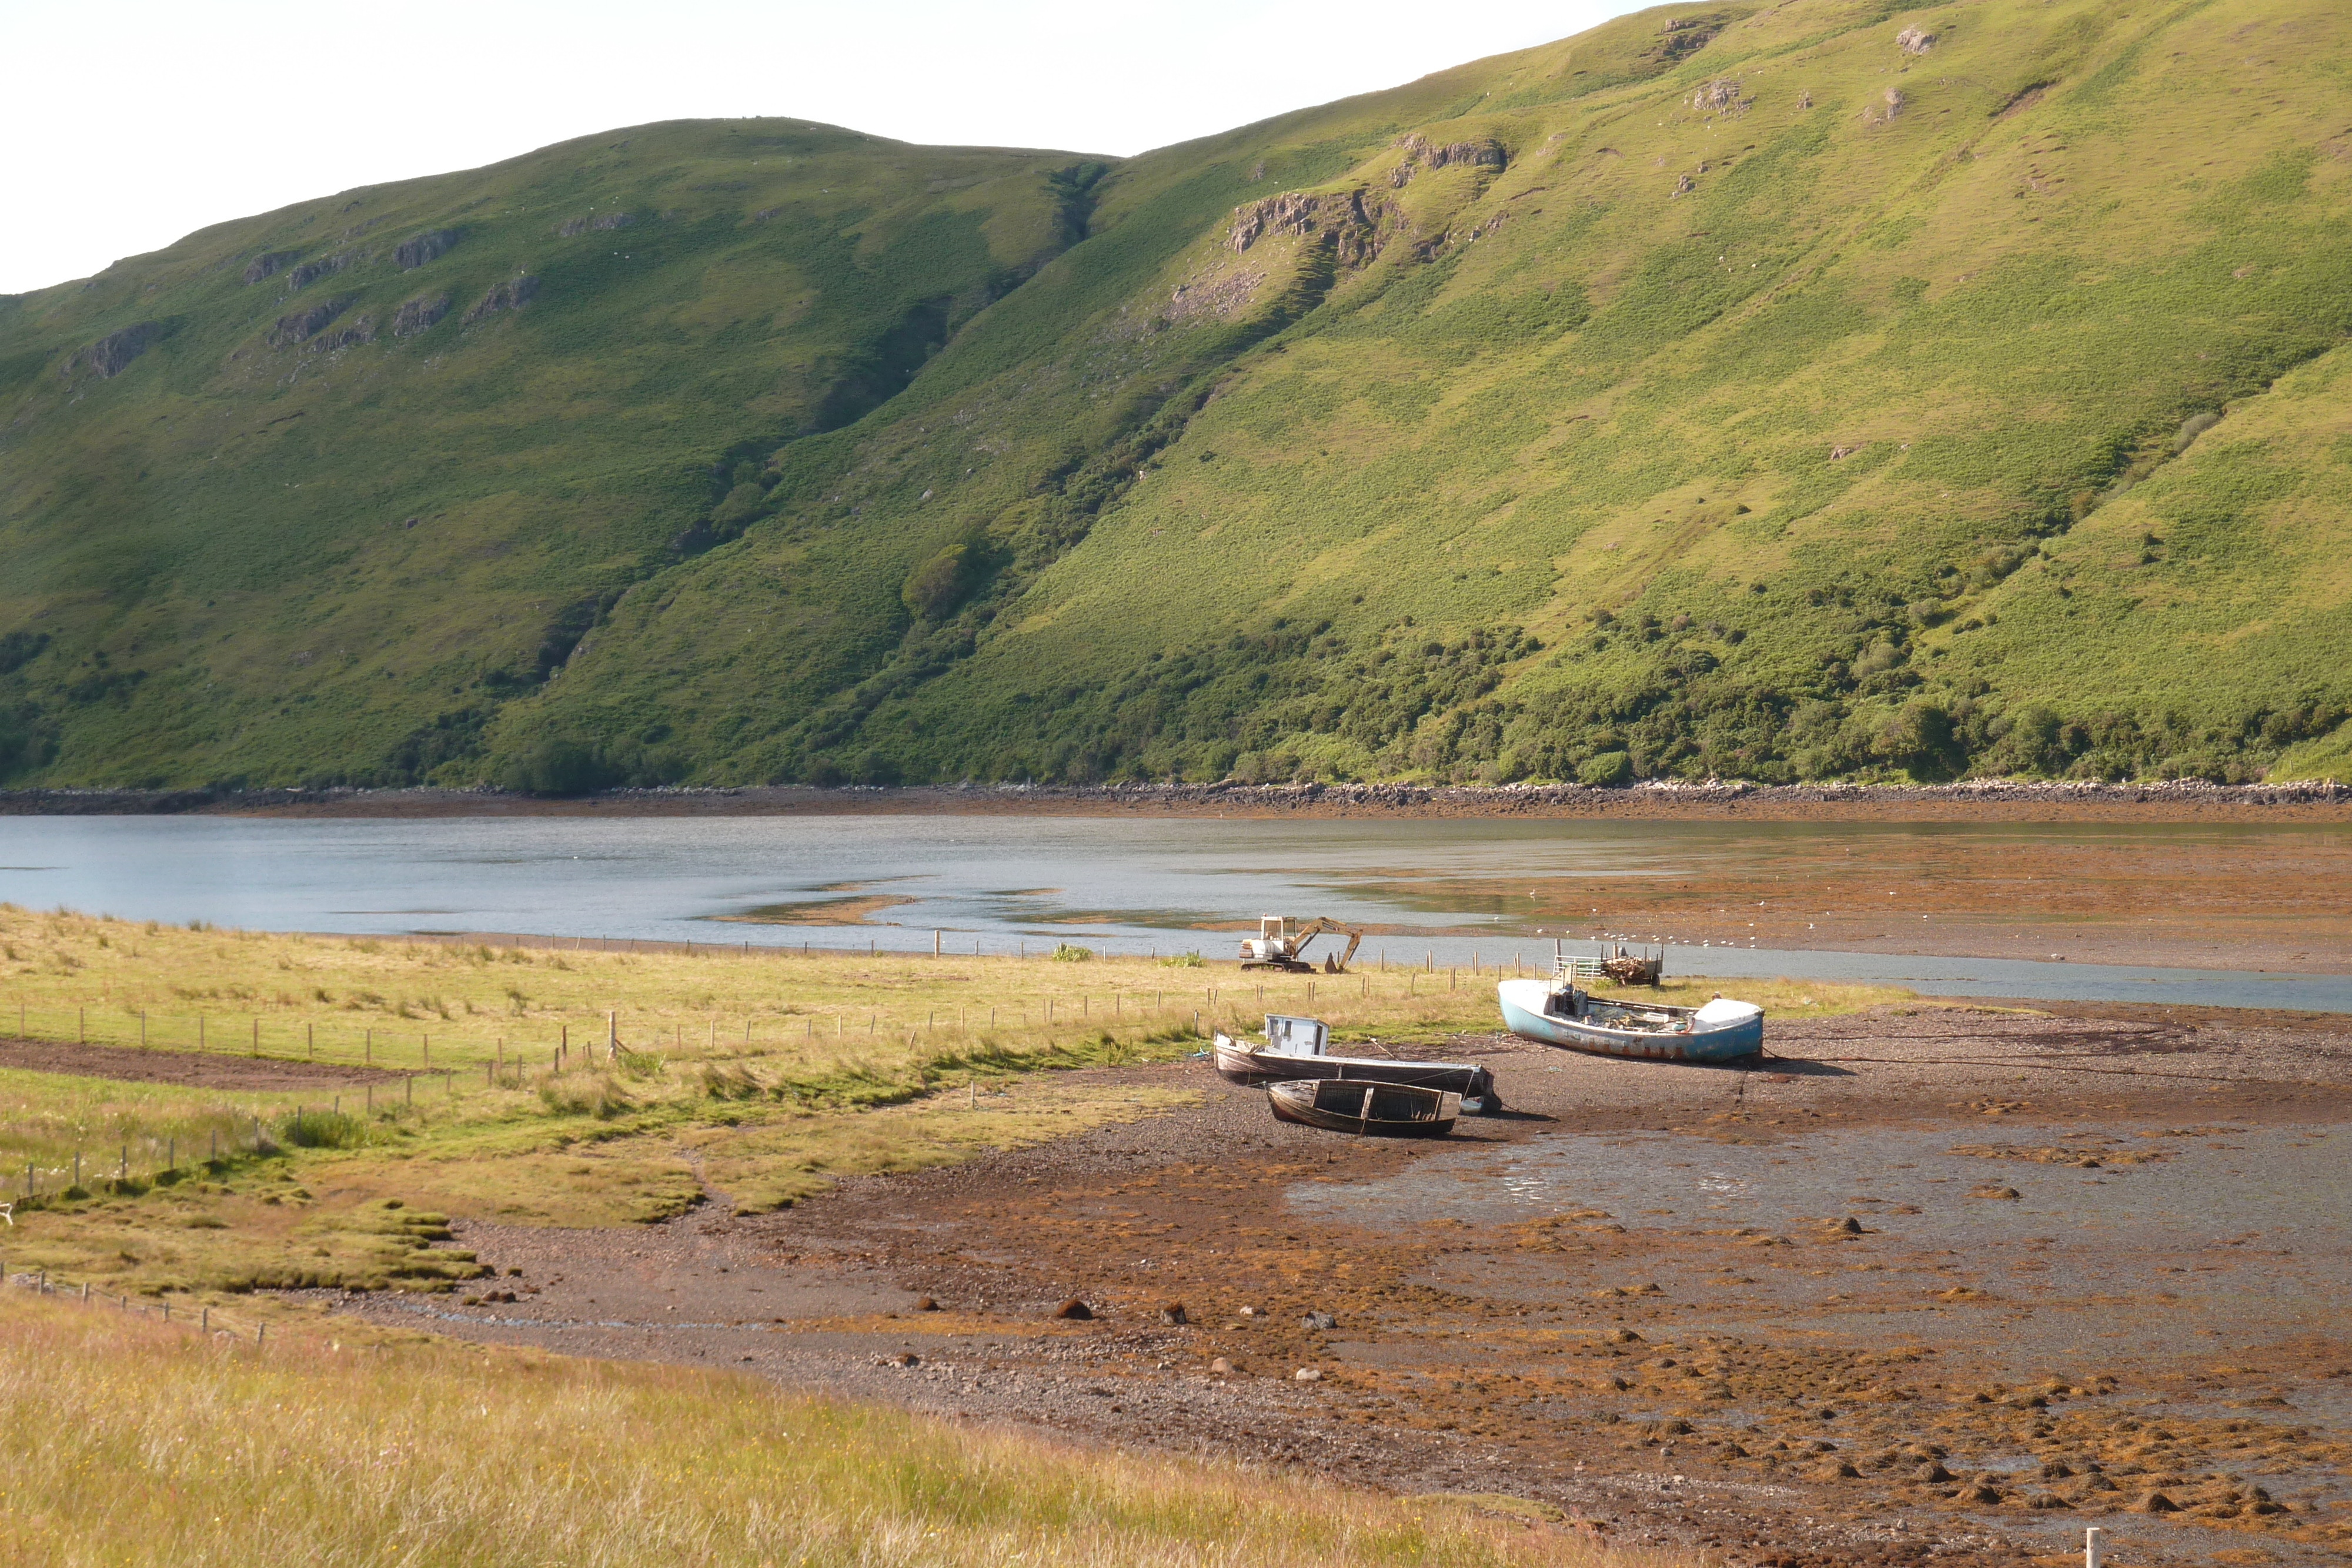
(1825,389)
(316,494)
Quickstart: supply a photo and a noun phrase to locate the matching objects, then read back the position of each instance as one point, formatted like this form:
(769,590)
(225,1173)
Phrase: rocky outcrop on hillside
(569,227)
(512,295)
(419,249)
(1350,220)
(1914,41)
(416,315)
(1721,96)
(351,334)
(297,326)
(309,272)
(1420,153)
(112,352)
(268,263)
(1683,37)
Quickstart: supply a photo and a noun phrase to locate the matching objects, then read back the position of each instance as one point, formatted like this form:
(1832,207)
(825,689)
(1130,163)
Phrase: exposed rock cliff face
(1686,36)
(1486,152)
(269,262)
(358,330)
(570,226)
(512,295)
(309,272)
(1350,221)
(112,352)
(1420,153)
(424,248)
(293,327)
(416,315)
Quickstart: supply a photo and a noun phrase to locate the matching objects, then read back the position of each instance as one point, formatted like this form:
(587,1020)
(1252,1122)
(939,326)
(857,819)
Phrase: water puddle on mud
(2178,1239)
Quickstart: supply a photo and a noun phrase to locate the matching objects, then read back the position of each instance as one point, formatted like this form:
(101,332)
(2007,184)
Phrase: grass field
(756,1080)
(126,1441)
(1825,389)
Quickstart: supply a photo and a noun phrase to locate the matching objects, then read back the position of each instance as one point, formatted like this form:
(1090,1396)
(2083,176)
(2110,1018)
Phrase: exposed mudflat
(1936,1284)
(2190,900)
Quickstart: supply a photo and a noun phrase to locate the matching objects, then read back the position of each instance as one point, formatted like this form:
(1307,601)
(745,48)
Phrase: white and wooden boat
(1298,1049)
(1348,1105)
(1559,1012)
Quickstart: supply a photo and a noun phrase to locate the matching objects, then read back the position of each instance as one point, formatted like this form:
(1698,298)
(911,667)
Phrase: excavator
(1280,944)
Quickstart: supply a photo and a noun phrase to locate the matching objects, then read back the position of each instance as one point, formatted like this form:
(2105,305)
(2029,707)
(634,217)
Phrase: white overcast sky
(131,122)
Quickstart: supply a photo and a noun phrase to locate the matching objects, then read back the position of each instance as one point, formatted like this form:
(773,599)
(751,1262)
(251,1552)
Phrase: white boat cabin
(1287,1036)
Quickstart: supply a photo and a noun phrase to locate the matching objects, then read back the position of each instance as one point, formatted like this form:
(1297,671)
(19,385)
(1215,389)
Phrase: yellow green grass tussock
(125,1442)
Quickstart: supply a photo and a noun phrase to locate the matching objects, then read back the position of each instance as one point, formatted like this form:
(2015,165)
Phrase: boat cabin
(1287,1036)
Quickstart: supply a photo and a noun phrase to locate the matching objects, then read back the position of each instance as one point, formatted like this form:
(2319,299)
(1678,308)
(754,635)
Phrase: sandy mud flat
(1936,1284)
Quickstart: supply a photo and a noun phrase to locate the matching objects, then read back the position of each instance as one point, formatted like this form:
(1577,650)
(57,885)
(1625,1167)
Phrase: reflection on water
(995,883)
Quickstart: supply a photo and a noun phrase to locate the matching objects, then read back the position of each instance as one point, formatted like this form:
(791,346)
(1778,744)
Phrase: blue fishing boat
(1559,1012)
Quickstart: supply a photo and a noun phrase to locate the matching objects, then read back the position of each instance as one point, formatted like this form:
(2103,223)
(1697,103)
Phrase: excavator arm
(1321,927)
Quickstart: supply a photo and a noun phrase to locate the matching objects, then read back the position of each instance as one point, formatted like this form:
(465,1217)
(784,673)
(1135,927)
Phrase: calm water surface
(997,883)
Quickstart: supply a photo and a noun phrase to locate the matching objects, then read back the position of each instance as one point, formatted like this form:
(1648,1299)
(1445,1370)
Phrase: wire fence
(200,1316)
(592,1040)
(388,1074)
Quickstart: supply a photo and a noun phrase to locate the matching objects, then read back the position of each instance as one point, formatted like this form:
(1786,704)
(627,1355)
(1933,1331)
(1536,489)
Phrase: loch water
(1016,882)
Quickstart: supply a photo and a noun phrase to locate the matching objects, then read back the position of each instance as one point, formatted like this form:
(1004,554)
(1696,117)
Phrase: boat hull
(1524,1015)
(1410,1111)
(1239,1064)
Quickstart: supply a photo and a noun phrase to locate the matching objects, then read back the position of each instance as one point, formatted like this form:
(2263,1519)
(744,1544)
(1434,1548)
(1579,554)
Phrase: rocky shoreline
(1650,797)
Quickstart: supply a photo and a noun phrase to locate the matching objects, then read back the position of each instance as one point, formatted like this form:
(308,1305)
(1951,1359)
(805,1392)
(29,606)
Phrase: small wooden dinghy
(1350,1105)
(1296,1048)
(1559,1012)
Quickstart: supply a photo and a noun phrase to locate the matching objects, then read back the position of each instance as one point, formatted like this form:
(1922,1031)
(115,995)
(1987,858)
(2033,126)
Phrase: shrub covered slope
(1826,389)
